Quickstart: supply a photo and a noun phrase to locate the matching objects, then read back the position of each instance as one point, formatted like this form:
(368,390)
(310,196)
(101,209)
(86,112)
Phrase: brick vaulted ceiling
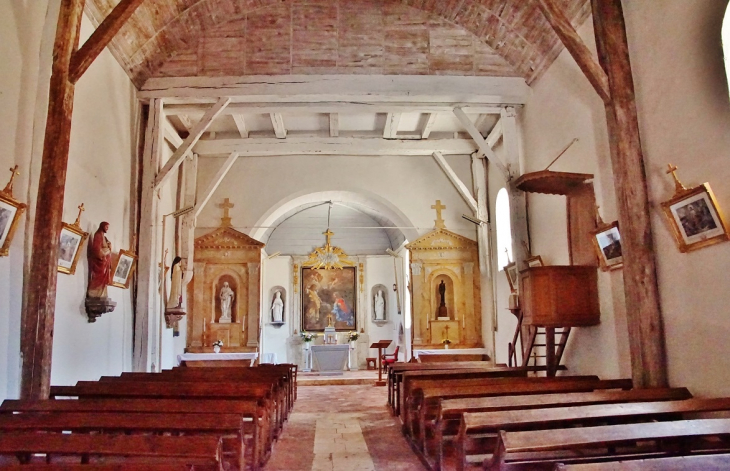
(384,37)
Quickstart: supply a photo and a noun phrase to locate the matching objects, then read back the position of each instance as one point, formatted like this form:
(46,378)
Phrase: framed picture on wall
(695,218)
(122,273)
(329,297)
(607,242)
(510,270)
(10,212)
(72,238)
(535,261)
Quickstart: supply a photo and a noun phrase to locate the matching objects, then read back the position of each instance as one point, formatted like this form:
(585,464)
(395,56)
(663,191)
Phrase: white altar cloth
(330,360)
(216,357)
(452,351)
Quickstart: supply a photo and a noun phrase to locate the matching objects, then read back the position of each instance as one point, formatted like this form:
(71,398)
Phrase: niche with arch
(233,284)
(446,310)
(277,311)
(376,316)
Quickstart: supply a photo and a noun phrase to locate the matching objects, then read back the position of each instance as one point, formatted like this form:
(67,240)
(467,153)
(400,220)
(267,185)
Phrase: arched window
(504,229)
(726,42)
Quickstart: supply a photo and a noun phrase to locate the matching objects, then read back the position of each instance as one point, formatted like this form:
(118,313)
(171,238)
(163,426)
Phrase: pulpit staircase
(535,352)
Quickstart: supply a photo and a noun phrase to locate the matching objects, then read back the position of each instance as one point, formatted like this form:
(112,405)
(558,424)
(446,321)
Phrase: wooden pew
(228,426)
(449,412)
(136,451)
(537,450)
(719,462)
(484,423)
(106,467)
(404,386)
(393,370)
(256,423)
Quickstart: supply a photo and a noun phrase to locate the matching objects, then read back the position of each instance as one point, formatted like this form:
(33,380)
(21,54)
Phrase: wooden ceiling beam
(277,120)
(428,126)
(241,125)
(482,145)
(101,37)
(187,145)
(495,134)
(576,47)
(334,124)
(461,188)
(217,179)
(392,121)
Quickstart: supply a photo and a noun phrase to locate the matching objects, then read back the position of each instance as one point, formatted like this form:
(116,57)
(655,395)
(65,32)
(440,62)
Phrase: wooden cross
(78,218)
(678,187)
(226,219)
(9,187)
(439,221)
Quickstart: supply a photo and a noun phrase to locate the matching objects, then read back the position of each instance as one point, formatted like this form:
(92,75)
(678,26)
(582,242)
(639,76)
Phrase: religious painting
(607,242)
(513,276)
(535,261)
(69,248)
(122,272)
(10,211)
(329,298)
(695,218)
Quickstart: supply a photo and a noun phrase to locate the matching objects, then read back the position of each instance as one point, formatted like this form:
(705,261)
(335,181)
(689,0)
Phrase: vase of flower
(446,343)
(217,346)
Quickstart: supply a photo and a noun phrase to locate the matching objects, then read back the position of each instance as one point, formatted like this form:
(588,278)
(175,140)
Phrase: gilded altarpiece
(224,292)
(445,290)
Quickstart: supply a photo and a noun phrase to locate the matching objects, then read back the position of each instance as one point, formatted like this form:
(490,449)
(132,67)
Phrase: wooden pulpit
(381,345)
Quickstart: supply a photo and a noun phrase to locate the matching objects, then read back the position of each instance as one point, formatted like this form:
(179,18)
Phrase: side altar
(224,292)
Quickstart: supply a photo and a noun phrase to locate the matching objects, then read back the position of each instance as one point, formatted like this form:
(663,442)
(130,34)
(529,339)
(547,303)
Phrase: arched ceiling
(384,37)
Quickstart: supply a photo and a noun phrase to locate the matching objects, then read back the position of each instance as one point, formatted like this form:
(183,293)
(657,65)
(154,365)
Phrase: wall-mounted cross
(9,187)
(78,218)
(678,187)
(226,219)
(439,221)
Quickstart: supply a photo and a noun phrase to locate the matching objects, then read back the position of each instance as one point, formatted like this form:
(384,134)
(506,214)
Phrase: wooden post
(37,327)
(646,332)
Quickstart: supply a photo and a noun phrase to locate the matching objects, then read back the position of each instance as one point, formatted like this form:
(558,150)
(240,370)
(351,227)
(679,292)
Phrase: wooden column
(37,327)
(517,198)
(646,332)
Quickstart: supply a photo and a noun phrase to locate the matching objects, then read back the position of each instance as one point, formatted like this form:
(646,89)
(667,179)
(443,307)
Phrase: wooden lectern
(381,345)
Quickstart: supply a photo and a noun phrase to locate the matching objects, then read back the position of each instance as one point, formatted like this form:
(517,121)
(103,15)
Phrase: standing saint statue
(443,311)
(100,263)
(379,306)
(227,295)
(174,302)
(277,308)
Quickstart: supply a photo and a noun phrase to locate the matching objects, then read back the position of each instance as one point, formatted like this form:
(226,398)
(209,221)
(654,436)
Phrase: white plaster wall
(101,162)
(379,271)
(684,115)
(278,272)
(21,30)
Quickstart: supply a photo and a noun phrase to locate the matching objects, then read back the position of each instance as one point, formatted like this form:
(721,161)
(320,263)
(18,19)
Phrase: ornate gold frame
(512,266)
(133,256)
(688,243)
(603,261)
(19,208)
(75,229)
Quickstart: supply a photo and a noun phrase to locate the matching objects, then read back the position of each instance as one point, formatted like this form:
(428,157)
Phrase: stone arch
(454,296)
(238,275)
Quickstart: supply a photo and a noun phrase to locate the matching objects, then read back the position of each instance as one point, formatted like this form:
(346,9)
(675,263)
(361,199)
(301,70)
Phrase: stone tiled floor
(342,428)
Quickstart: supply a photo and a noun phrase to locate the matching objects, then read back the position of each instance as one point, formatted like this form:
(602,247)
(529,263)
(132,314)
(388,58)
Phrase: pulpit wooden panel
(560,296)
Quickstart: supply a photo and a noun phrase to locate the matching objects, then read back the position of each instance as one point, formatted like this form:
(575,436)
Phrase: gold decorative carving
(328,256)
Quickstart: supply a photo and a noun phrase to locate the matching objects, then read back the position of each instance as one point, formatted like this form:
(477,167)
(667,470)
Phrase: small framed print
(535,261)
(10,212)
(607,242)
(695,218)
(72,238)
(512,276)
(124,268)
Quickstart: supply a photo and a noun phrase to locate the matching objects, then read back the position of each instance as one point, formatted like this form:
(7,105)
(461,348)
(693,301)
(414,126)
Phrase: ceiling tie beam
(456,181)
(576,47)
(222,172)
(484,148)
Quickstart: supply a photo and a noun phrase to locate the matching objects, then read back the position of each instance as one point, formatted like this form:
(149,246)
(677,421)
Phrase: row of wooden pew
(498,418)
(184,418)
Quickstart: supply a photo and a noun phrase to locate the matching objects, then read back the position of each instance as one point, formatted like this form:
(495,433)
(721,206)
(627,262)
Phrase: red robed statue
(100,263)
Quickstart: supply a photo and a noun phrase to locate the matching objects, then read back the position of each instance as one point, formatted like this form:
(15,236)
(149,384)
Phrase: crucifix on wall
(226,219)
(439,221)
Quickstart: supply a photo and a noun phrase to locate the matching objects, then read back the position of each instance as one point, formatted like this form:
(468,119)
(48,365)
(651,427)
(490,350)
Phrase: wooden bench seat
(256,423)
(719,462)
(228,426)
(448,416)
(484,423)
(136,451)
(536,450)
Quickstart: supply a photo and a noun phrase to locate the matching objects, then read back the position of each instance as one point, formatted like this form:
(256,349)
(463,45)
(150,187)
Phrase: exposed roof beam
(334,124)
(495,134)
(190,141)
(241,125)
(456,181)
(390,131)
(341,88)
(222,172)
(101,37)
(426,131)
(185,120)
(278,121)
(480,142)
(366,146)
(196,110)
(171,135)
(576,47)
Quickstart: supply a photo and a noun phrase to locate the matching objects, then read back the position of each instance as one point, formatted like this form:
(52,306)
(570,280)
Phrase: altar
(217,359)
(452,354)
(330,360)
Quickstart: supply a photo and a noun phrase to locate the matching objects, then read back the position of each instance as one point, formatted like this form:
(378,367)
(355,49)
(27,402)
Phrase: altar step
(348,378)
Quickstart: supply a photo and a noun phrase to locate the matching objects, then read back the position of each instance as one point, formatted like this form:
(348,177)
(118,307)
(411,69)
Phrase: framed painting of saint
(329,297)
(10,211)
(69,248)
(695,218)
(124,268)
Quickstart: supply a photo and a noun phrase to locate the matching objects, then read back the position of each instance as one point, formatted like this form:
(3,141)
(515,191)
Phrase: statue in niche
(277,308)
(227,295)
(443,311)
(100,263)
(379,306)
(174,302)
